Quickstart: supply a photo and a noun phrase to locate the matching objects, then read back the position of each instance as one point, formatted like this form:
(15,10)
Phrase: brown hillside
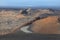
(47,25)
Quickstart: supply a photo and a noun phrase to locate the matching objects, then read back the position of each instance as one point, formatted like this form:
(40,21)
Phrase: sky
(29,3)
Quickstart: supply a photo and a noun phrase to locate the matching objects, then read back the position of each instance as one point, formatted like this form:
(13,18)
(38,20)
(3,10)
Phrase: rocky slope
(38,18)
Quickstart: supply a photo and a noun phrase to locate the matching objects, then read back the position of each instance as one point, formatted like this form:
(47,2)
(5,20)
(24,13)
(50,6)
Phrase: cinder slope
(47,25)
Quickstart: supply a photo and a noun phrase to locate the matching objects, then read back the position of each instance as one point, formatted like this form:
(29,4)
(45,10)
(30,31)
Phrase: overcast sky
(30,3)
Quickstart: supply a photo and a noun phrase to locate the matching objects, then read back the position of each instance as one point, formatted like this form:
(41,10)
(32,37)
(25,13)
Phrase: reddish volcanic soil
(47,25)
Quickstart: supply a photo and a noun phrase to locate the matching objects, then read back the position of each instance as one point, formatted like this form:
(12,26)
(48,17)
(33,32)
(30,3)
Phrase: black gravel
(23,36)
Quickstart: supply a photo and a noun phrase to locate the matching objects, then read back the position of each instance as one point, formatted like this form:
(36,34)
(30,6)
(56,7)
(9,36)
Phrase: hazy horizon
(29,3)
